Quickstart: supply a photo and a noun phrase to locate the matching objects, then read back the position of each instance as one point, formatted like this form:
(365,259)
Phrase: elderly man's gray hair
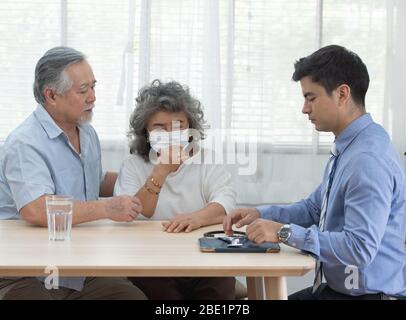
(50,71)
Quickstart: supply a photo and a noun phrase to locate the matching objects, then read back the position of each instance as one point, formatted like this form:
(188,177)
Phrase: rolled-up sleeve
(27,174)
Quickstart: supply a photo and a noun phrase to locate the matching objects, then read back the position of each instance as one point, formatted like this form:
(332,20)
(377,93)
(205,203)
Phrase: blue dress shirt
(37,159)
(363,244)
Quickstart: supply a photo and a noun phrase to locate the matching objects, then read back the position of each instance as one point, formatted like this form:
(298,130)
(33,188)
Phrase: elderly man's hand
(183,222)
(240,217)
(262,230)
(123,208)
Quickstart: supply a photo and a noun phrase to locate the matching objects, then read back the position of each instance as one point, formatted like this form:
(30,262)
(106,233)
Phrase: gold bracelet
(155,183)
(150,190)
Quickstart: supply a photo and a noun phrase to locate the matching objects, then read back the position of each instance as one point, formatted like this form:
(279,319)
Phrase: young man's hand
(262,230)
(240,217)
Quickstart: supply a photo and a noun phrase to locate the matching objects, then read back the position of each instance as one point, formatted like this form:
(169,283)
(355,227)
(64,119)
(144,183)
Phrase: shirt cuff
(298,237)
(30,192)
(305,239)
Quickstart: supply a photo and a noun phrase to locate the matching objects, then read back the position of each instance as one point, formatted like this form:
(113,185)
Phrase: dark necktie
(332,168)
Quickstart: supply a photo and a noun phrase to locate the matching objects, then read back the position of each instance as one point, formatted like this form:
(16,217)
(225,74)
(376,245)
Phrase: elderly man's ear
(49,96)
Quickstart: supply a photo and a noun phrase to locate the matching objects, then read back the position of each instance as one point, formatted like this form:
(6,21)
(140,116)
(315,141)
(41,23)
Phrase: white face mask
(161,139)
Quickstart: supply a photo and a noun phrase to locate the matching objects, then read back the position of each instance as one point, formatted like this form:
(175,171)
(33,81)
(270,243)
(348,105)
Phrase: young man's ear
(49,95)
(343,94)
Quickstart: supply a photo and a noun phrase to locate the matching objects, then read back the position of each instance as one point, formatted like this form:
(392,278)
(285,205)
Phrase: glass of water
(59,214)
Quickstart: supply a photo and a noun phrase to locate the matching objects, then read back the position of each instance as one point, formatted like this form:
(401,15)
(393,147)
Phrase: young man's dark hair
(332,66)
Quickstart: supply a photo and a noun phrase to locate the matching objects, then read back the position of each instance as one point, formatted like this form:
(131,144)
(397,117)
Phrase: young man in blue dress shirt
(354,223)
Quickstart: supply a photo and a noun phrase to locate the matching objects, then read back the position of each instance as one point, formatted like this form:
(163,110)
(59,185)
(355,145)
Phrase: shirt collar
(46,121)
(351,131)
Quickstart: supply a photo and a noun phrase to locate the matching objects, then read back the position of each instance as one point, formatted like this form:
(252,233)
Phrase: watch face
(284,233)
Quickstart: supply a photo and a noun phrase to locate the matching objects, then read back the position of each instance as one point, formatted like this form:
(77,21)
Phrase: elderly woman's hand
(183,222)
(170,159)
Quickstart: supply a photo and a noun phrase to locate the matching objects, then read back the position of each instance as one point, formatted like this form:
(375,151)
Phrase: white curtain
(395,93)
(237,58)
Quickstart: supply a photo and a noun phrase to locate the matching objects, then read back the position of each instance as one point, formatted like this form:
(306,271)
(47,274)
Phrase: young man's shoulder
(375,140)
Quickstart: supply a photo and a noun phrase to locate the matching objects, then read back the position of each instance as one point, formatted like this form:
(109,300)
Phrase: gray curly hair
(167,97)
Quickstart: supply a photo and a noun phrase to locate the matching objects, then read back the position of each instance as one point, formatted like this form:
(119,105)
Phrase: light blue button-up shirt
(365,223)
(37,159)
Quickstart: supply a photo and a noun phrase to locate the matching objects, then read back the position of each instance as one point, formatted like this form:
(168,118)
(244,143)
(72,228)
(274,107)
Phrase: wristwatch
(284,233)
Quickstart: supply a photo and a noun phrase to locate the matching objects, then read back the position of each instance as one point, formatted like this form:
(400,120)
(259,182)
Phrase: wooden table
(141,248)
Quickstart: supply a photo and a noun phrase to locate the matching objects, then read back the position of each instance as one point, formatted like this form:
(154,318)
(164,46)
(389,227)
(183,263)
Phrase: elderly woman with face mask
(167,172)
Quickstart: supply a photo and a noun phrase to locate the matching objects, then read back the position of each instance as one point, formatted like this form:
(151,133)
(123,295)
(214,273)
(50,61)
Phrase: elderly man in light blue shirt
(56,151)
(354,223)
